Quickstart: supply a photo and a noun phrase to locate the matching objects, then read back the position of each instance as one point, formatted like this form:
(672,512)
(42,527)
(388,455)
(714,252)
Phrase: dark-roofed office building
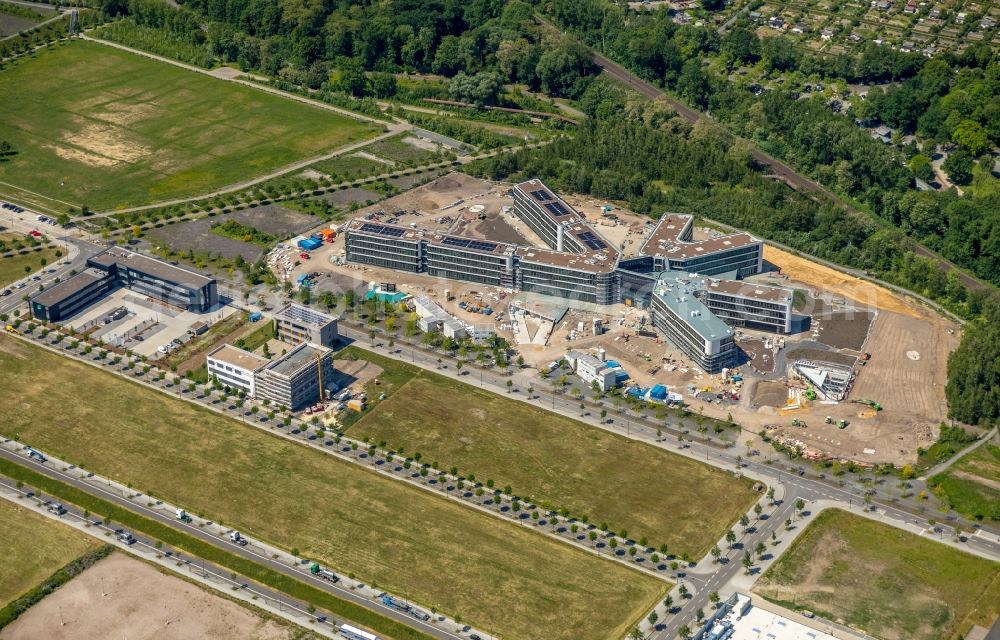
(70,296)
(294,379)
(384,245)
(120,267)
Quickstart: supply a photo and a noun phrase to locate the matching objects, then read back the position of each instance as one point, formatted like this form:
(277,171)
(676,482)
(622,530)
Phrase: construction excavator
(871,403)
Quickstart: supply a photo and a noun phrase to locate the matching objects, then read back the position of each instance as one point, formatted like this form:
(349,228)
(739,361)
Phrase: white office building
(235,368)
(590,369)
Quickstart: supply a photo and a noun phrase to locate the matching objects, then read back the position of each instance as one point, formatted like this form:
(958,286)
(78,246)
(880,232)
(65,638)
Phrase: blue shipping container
(310,243)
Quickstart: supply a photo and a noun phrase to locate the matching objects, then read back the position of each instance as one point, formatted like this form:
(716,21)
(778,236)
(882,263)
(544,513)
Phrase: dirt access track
(122,597)
(853,288)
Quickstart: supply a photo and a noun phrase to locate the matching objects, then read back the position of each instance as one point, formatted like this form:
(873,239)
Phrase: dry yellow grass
(32,548)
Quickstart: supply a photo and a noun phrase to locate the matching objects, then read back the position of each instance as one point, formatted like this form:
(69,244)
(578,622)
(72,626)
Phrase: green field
(971,486)
(493,574)
(348,167)
(100,127)
(397,150)
(34,548)
(643,489)
(12,268)
(890,583)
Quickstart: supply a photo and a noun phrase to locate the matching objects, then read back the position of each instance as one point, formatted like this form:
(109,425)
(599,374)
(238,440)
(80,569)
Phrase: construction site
(859,376)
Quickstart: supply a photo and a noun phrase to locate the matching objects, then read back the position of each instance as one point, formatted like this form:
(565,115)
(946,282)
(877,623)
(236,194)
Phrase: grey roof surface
(677,290)
(70,286)
(151,266)
(236,357)
(297,359)
(749,290)
(665,240)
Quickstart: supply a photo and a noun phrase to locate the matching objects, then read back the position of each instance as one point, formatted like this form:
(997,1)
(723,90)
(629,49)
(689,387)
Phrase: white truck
(236,538)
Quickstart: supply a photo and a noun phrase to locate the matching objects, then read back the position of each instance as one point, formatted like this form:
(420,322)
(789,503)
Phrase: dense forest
(949,100)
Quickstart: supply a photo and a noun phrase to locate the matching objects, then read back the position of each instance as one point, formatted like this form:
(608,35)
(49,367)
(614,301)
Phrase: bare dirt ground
(907,372)
(845,329)
(350,196)
(121,597)
(197,235)
(355,373)
(769,394)
(761,359)
(860,291)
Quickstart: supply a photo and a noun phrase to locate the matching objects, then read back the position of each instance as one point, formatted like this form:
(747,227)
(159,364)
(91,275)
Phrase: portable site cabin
(309,244)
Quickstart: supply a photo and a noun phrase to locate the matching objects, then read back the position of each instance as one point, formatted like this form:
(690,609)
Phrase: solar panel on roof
(541,195)
(382,230)
(556,209)
(469,243)
(303,314)
(590,239)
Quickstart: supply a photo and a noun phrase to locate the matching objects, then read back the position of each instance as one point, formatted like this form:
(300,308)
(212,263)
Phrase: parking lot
(146,325)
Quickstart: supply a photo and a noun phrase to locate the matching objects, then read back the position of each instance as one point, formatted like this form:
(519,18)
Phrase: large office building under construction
(672,273)
(697,313)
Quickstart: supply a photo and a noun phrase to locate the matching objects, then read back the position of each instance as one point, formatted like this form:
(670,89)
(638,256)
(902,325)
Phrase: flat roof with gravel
(70,286)
(290,364)
(150,266)
(236,357)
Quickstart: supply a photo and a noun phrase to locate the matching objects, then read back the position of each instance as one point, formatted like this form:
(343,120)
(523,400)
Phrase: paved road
(955,458)
(245,552)
(58,16)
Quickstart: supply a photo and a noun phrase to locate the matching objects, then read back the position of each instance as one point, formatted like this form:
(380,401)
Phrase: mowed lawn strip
(971,486)
(97,126)
(32,548)
(890,583)
(643,489)
(493,574)
(12,268)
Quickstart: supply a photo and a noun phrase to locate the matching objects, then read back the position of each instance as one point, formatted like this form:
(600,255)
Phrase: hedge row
(11,612)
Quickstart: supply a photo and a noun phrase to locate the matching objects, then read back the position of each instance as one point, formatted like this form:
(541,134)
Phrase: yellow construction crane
(319,372)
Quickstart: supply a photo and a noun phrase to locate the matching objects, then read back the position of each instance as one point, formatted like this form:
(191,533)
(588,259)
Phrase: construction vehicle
(871,403)
(866,357)
(798,423)
(842,424)
(810,394)
(183,516)
(399,605)
(322,573)
(236,538)
(11,329)
(828,420)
